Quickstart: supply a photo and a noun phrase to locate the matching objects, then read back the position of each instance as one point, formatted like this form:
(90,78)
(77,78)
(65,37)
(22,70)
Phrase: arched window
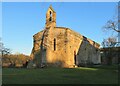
(54,44)
(50,19)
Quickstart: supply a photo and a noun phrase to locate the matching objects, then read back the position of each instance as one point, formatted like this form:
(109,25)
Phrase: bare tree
(111,25)
(109,42)
(3,50)
(3,53)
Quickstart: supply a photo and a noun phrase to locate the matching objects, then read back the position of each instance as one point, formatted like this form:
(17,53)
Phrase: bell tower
(50,17)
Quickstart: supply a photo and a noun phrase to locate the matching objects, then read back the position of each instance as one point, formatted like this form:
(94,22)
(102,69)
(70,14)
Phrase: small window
(54,44)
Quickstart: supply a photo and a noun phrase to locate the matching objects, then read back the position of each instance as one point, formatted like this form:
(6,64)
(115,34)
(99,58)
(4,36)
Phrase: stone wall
(61,46)
(68,44)
(86,50)
(110,55)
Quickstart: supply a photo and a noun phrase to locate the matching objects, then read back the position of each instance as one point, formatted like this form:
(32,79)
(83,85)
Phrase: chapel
(62,47)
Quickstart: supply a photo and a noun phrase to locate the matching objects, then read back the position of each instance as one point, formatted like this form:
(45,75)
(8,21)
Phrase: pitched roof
(51,8)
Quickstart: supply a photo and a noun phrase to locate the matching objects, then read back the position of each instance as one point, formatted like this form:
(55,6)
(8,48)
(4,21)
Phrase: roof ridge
(51,8)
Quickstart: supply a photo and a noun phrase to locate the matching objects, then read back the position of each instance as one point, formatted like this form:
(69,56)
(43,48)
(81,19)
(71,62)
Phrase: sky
(21,20)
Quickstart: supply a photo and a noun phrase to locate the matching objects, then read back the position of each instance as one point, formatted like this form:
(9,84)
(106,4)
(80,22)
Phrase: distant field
(81,75)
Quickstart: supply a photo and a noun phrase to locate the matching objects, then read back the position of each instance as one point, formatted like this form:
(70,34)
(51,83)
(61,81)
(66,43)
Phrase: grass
(81,75)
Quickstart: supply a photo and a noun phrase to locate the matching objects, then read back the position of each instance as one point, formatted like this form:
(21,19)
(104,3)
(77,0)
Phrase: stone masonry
(62,47)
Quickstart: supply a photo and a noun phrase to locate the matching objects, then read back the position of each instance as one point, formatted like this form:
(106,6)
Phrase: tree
(111,25)
(4,50)
(3,53)
(109,42)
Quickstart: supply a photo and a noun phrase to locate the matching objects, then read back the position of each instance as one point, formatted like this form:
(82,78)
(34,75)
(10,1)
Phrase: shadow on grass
(80,75)
(107,67)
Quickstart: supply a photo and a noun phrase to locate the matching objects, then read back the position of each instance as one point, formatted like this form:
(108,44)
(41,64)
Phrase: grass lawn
(80,75)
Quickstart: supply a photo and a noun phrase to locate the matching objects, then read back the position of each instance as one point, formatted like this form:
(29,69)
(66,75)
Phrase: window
(54,44)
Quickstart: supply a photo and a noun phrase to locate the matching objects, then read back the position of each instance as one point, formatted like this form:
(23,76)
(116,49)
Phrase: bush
(14,60)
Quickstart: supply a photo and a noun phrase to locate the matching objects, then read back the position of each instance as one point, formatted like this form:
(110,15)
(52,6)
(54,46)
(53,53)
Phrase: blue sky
(20,21)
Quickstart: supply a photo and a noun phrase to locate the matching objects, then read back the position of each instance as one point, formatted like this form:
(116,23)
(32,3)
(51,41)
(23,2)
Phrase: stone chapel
(62,47)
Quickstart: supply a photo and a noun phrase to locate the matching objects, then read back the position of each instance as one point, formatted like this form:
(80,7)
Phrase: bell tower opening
(50,19)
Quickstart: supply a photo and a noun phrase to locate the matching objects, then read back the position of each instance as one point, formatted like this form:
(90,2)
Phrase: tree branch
(114,28)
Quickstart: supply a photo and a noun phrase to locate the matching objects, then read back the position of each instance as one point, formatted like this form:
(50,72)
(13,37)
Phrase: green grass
(81,75)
